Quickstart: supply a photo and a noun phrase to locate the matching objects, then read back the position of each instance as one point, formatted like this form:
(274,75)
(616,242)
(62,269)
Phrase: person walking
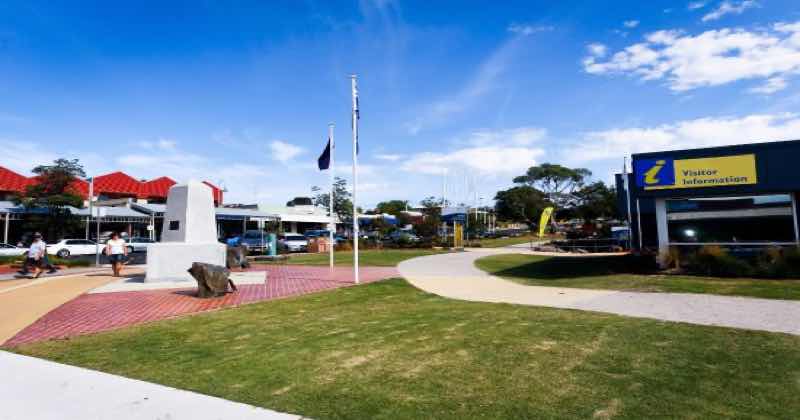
(36,254)
(117,253)
(44,262)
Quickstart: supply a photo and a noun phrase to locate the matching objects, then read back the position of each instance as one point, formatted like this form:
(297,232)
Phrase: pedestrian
(36,254)
(117,253)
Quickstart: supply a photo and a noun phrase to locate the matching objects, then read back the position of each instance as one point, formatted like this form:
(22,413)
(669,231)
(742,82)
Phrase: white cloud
(521,136)
(284,152)
(493,160)
(729,8)
(526,29)
(712,58)
(696,5)
(630,23)
(22,156)
(597,50)
(160,144)
(771,86)
(688,134)
(390,157)
(486,152)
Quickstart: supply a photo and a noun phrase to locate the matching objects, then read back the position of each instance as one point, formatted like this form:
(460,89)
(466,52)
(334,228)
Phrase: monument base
(169,261)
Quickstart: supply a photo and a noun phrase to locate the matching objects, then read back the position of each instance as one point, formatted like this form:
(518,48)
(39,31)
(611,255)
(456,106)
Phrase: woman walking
(117,252)
(36,254)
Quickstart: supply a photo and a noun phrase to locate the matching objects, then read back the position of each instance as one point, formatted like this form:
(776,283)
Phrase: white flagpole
(332,222)
(355,177)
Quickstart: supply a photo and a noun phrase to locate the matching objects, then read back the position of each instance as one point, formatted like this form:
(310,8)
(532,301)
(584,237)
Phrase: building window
(763,219)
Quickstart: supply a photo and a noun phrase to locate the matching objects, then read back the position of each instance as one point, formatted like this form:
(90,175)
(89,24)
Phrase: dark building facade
(743,196)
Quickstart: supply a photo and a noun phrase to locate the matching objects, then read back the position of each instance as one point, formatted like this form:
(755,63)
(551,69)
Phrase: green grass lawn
(387,350)
(498,242)
(611,273)
(373,257)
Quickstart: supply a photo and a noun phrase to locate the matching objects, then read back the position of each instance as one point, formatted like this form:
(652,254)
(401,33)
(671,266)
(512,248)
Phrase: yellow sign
(544,219)
(660,174)
(458,236)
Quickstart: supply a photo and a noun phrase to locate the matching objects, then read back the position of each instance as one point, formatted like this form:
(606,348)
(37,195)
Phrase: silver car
(293,243)
(138,244)
(8,250)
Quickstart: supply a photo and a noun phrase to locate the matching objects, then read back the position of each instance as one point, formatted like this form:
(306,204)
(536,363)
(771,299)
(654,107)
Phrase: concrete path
(25,302)
(455,276)
(36,389)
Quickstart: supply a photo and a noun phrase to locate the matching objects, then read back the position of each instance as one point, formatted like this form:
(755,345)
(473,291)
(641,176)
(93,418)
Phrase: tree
(393,207)
(432,206)
(342,204)
(520,204)
(596,200)
(557,182)
(55,191)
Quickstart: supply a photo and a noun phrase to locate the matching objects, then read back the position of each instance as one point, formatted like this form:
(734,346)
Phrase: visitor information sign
(666,173)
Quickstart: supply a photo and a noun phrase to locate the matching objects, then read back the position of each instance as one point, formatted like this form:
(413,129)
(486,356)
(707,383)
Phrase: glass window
(752,219)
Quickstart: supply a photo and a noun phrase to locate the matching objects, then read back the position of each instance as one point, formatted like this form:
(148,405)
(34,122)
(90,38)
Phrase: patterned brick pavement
(91,313)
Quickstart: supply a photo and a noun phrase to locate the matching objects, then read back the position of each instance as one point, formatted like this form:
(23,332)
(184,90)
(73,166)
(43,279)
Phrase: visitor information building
(742,196)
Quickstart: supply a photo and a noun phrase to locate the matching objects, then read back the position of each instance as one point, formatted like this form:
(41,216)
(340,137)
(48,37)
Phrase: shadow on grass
(553,268)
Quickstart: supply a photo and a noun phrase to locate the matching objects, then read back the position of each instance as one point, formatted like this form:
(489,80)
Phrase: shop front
(741,197)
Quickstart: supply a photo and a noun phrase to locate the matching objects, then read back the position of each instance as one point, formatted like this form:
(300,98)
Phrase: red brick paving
(91,313)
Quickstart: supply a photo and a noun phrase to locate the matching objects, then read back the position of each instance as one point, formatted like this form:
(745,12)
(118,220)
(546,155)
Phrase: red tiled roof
(158,187)
(118,183)
(12,181)
(215,192)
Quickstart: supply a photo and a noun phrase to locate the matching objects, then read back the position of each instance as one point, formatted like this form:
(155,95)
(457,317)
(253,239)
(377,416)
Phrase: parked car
(255,241)
(67,247)
(293,242)
(402,236)
(8,250)
(137,244)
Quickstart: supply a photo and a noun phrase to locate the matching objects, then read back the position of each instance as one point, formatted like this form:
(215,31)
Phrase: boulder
(212,280)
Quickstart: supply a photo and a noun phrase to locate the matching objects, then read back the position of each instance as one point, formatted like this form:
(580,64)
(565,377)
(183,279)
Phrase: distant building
(115,185)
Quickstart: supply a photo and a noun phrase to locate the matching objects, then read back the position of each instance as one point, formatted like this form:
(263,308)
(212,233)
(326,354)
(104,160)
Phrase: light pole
(89,218)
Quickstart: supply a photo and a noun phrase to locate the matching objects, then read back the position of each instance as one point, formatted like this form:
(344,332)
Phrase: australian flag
(324,161)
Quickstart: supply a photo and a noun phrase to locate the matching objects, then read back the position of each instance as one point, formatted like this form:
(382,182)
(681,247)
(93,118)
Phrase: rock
(547,248)
(212,280)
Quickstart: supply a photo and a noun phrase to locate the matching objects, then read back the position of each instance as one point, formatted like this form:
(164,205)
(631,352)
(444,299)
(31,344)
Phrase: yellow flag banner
(546,213)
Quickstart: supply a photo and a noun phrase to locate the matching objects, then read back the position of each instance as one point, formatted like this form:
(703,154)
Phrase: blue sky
(240,93)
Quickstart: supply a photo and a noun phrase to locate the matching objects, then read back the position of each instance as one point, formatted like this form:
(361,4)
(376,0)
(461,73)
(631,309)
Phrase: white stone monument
(188,235)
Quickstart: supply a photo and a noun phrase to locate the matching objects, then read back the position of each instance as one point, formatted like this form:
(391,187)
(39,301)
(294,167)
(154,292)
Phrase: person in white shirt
(117,252)
(36,255)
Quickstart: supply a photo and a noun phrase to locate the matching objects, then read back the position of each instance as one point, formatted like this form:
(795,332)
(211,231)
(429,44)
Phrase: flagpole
(356,235)
(332,222)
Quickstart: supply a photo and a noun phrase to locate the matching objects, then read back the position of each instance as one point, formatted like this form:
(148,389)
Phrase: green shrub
(779,263)
(715,261)
(11,260)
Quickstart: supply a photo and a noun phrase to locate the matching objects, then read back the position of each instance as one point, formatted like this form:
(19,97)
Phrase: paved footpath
(455,276)
(25,301)
(36,389)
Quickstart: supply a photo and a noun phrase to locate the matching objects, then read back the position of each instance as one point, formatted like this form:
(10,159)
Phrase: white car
(138,244)
(8,250)
(67,247)
(293,242)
